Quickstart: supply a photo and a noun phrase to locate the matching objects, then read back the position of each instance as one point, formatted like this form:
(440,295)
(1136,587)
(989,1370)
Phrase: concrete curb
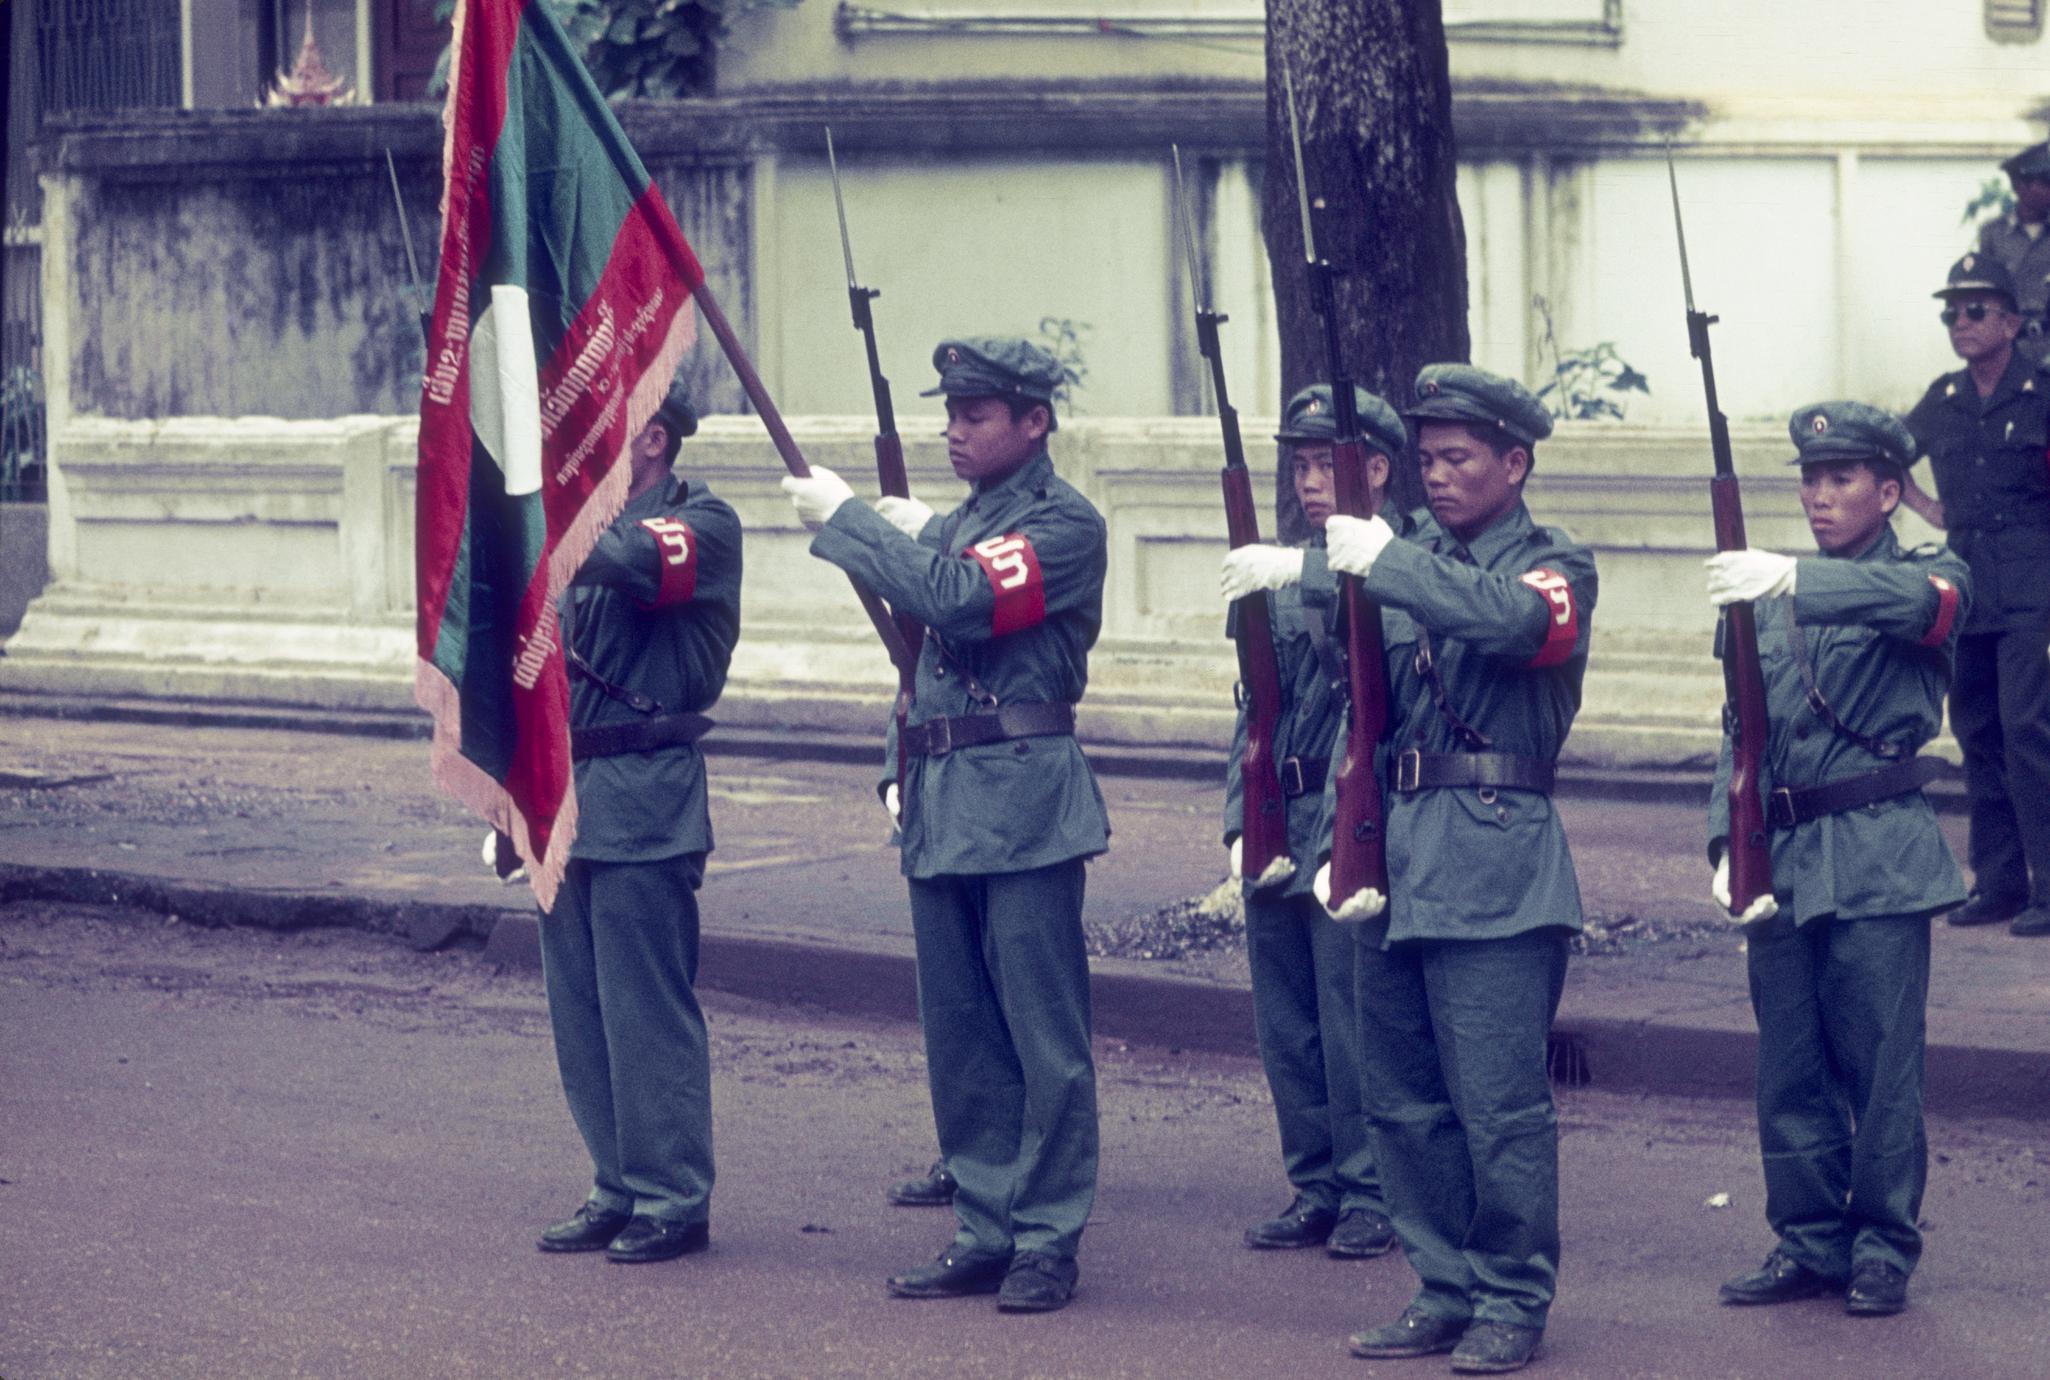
(1610,1052)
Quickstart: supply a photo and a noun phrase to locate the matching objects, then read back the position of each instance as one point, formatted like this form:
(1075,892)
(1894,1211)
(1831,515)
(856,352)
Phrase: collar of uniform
(1505,532)
(1883,547)
(1033,474)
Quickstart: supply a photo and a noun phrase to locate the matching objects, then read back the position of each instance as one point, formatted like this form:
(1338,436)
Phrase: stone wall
(272,560)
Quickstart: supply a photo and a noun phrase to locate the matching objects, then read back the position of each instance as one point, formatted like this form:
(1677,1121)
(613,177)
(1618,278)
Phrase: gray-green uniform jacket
(1012,583)
(1509,620)
(2027,257)
(654,609)
(1312,710)
(1881,634)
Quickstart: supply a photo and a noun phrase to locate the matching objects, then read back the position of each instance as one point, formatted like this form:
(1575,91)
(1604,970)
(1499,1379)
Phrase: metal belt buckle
(939,737)
(1409,770)
(1292,784)
(1779,806)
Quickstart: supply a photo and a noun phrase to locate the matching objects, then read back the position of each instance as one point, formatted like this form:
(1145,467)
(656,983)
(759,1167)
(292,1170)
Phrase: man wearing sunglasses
(2017,240)
(1986,431)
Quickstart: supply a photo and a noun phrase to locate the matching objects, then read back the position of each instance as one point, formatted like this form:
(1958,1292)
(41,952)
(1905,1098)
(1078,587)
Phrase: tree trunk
(1374,93)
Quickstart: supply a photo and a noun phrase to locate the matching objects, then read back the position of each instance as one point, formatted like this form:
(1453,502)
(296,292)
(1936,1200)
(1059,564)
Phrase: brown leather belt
(1791,805)
(1509,771)
(1302,775)
(637,735)
(938,737)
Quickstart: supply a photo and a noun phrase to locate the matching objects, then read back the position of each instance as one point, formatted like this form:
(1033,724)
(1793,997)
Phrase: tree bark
(1373,91)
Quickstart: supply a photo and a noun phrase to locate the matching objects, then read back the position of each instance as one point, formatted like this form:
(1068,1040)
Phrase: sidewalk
(268,822)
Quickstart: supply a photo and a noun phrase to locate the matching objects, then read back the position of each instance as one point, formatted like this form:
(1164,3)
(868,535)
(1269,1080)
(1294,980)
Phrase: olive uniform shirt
(655,609)
(2027,257)
(1881,628)
(1012,583)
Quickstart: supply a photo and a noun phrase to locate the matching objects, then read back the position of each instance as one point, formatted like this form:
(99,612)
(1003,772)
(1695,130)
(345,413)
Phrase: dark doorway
(409,41)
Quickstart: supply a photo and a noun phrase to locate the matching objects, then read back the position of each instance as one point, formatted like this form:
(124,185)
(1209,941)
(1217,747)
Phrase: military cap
(1978,273)
(676,413)
(1462,393)
(1829,431)
(1309,417)
(2033,161)
(996,366)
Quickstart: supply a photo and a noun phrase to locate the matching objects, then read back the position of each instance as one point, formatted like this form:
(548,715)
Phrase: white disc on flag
(505,388)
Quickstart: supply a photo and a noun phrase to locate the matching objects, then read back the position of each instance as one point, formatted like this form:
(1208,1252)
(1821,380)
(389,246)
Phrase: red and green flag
(561,311)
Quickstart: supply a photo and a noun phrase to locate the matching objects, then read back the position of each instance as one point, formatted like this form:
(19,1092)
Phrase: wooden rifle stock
(1263,815)
(1359,859)
(894,483)
(1744,691)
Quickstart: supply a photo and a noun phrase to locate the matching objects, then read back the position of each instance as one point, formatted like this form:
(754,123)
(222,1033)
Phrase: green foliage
(640,47)
(1066,340)
(1995,195)
(1587,384)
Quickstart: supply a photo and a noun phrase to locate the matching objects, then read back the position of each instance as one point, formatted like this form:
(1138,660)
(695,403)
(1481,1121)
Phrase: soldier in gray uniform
(1302,960)
(999,810)
(2017,240)
(1856,644)
(1486,618)
(1986,431)
(649,625)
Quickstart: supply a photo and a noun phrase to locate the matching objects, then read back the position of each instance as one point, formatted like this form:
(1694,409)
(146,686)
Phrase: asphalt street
(233,1153)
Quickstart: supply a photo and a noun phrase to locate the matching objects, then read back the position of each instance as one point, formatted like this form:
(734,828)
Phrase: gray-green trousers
(1841,1008)
(1460,1109)
(1003,994)
(1306,1016)
(619,953)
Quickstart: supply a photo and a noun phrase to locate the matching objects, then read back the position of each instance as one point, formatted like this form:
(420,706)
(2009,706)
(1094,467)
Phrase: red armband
(1946,612)
(1562,632)
(678,547)
(1013,570)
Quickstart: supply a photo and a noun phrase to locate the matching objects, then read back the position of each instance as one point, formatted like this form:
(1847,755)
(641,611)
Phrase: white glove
(1238,859)
(1249,569)
(817,496)
(907,515)
(893,803)
(1764,908)
(1361,905)
(490,851)
(1279,868)
(1351,544)
(1740,577)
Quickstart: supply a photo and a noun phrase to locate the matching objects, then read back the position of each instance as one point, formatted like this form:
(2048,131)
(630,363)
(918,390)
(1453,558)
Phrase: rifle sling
(1792,805)
(1797,642)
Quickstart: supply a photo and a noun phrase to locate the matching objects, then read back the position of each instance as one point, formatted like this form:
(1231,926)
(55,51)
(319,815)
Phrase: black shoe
(1878,1290)
(591,1229)
(657,1238)
(1361,1234)
(1037,1283)
(953,1274)
(1781,1279)
(1415,1333)
(1301,1223)
(1986,910)
(935,1188)
(1490,1348)
(2035,920)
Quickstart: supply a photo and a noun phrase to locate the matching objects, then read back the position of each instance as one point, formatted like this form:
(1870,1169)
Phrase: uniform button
(939,673)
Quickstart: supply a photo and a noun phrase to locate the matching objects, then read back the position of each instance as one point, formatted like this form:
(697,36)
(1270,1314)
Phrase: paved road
(226,1153)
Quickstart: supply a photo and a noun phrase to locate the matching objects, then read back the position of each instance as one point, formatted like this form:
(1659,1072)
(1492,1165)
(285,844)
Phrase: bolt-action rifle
(421,300)
(1263,825)
(1358,837)
(889,452)
(1743,677)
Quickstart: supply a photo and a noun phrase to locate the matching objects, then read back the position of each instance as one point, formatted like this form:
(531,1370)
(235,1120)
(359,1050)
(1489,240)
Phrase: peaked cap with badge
(1462,393)
(1829,431)
(676,413)
(1310,417)
(2033,161)
(997,366)
(1978,273)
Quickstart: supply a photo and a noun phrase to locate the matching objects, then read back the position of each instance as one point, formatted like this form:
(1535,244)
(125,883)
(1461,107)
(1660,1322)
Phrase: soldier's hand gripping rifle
(889,451)
(1750,851)
(1263,825)
(1358,837)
